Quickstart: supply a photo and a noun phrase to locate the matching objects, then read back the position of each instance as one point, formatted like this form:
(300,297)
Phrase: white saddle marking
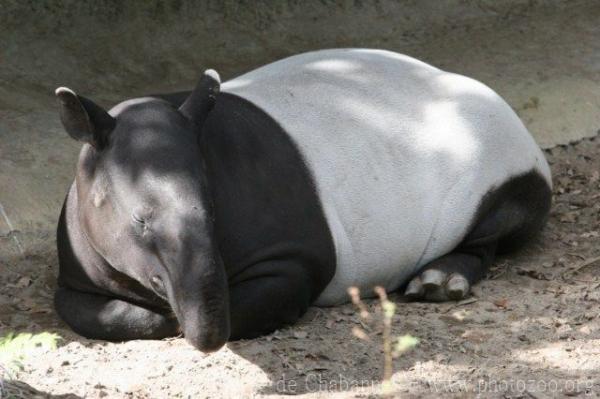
(401,153)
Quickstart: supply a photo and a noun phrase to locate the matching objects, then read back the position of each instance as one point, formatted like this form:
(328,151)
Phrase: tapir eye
(138,219)
(140,226)
(141,217)
(158,286)
(142,214)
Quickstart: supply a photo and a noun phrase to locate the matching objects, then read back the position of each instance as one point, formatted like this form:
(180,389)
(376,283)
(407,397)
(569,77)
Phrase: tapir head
(144,202)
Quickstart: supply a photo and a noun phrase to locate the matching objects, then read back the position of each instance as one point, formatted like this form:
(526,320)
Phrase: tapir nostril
(158,286)
(207,342)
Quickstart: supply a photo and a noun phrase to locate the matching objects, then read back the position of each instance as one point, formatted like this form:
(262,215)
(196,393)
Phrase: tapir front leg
(100,317)
(270,295)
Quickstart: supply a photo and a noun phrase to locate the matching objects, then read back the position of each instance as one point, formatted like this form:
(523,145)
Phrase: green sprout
(14,348)
(402,343)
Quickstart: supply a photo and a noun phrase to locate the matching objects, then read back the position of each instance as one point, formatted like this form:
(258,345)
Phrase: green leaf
(405,343)
(387,387)
(389,308)
(15,348)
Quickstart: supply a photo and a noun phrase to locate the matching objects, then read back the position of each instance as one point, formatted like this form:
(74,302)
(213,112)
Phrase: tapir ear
(199,103)
(83,119)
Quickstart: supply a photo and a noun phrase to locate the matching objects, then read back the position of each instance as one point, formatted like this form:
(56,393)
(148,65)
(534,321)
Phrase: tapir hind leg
(508,216)
(451,276)
(100,317)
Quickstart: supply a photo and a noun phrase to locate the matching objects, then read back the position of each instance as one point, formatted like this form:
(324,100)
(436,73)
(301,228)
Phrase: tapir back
(401,153)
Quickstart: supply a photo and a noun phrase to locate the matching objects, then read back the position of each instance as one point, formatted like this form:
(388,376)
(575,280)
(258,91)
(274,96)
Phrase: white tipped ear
(83,119)
(201,101)
(214,75)
(61,91)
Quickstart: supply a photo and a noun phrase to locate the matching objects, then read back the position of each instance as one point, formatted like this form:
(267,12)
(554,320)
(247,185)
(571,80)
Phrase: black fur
(507,218)
(270,229)
(269,223)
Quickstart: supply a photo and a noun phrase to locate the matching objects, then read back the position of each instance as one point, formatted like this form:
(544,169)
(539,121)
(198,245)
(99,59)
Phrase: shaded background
(542,56)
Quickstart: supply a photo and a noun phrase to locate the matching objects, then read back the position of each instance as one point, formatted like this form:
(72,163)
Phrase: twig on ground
(569,272)
(460,303)
(12,231)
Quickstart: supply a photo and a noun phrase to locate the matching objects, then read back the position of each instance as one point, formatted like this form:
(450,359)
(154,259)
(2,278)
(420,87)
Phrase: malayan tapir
(223,213)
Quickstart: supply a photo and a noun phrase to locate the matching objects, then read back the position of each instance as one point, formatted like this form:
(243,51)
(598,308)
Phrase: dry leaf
(300,334)
(501,303)
(23,282)
(360,333)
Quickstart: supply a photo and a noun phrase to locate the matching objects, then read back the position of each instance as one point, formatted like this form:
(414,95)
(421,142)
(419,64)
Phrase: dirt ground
(531,329)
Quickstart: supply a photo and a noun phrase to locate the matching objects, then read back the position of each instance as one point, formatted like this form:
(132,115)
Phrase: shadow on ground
(19,390)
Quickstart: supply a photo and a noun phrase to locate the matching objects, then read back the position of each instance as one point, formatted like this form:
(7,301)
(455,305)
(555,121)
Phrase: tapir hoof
(437,286)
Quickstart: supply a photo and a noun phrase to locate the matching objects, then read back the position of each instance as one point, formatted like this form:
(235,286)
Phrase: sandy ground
(531,329)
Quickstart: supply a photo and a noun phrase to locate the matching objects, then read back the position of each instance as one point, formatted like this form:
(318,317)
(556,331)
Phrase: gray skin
(140,200)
